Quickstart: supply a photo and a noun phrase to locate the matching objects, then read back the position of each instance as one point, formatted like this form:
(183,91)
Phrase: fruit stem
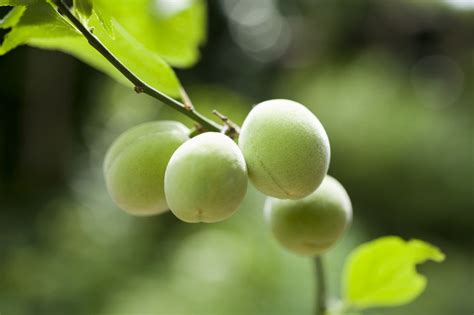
(230,128)
(321,299)
(140,86)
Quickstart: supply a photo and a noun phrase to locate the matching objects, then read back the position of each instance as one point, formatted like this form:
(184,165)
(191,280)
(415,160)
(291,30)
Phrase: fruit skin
(286,149)
(206,179)
(311,225)
(135,165)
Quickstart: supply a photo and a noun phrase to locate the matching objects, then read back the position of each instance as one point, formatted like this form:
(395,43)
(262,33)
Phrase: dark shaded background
(392,81)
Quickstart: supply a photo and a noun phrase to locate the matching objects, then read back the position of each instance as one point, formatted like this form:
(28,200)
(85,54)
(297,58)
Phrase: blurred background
(391,81)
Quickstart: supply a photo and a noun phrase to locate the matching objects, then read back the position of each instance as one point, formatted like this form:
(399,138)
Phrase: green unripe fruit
(206,179)
(135,165)
(311,225)
(286,149)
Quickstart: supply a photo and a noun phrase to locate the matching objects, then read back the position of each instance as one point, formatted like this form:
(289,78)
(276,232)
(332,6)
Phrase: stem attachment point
(186,99)
(139,89)
(230,129)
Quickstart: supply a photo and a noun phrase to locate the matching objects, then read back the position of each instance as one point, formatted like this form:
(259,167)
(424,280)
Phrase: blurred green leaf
(42,27)
(171,29)
(142,36)
(104,19)
(13,17)
(83,7)
(38,21)
(16,2)
(383,273)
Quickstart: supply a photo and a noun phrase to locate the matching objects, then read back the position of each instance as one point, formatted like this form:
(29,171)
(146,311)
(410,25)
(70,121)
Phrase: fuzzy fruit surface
(286,149)
(135,166)
(311,225)
(206,179)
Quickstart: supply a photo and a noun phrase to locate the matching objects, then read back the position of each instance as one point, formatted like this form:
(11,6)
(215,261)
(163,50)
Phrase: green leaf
(16,2)
(38,21)
(383,272)
(422,251)
(105,20)
(173,29)
(83,7)
(145,34)
(42,27)
(147,65)
(13,17)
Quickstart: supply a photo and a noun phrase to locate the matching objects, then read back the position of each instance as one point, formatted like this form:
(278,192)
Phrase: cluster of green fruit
(282,148)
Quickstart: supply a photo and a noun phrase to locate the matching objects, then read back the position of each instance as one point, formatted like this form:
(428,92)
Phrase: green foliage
(36,22)
(142,39)
(105,20)
(174,36)
(12,18)
(146,37)
(17,2)
(83,7)
(383,273)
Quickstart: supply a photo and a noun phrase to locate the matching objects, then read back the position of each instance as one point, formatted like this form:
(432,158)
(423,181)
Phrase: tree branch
(321,293)
(140,86)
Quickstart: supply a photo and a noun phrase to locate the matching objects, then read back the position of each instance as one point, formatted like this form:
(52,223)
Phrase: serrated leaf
(12,17)
(383,272)
(84,8)
(42,27)
(175,35)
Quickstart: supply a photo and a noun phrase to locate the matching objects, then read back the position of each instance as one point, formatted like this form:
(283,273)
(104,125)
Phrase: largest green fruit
(206,179)
(135,165)
(286,149)
(311,225)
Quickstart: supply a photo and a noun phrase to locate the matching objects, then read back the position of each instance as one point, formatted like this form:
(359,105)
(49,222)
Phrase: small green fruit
(135,165)
(286,149)
(311,225)
(206,179)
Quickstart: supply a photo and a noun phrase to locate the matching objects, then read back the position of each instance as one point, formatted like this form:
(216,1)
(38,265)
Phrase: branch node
(222,117)
(225,129)
(230,128)
(139,89)
(197,130)
(188,105)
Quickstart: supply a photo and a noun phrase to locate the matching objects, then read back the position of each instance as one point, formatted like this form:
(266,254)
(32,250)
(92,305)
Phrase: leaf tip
(423,251)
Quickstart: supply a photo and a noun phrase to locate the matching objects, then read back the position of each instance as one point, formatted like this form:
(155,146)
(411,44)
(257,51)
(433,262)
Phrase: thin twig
(140,86)
(186,99)
(321,299)
(231,128)
(197,130)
